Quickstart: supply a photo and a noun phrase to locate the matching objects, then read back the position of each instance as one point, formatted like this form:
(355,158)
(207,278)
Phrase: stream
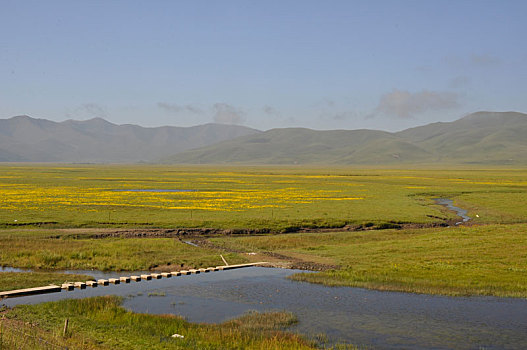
(379,320)
(449,204)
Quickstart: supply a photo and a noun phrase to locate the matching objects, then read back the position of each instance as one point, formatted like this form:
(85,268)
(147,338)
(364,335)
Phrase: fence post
(65,328)
(225,261)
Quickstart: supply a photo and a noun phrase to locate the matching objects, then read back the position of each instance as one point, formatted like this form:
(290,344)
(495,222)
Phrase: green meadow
(278,199)
(50,215)
(459,261)
(21,280)
(50,249)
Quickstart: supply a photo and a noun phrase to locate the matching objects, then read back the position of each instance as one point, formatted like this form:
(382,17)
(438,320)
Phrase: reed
(102,323)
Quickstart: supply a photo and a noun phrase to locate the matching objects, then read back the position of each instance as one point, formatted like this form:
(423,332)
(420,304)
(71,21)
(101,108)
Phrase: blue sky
(264,64)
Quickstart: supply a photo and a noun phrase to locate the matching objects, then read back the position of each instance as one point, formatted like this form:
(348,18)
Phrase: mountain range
(25,139)
(478,138)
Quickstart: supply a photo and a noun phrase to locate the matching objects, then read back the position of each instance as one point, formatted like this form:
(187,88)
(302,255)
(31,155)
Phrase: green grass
(477,260)
(278,198)
(49,249)
(102,323)
(486,259)
(21,280)
(250,197)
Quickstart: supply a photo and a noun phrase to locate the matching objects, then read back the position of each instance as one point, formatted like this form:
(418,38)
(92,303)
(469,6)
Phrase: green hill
(480,138)
(96,140)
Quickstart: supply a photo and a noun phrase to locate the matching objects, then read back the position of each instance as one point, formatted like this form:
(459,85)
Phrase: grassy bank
(49,249)
(477,260)
(21,280)
(101,323)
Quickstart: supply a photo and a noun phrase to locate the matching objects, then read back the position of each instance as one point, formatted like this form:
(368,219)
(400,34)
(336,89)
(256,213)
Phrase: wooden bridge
(125,279)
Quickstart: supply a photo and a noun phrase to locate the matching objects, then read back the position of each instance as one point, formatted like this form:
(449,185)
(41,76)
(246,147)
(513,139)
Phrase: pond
(380,320)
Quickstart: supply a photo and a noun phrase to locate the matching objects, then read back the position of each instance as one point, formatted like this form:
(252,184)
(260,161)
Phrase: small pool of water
(13,269)
(380,320)
(151,190)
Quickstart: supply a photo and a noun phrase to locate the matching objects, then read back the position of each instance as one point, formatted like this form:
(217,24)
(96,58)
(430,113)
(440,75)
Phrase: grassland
(101,323)
(21,280)
(54,249)
(475,260)
(251,197)
(49,213)
(453,261)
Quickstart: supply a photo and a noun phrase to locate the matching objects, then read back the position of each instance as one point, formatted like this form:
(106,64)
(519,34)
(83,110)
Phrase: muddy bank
(204,232)
(298,264)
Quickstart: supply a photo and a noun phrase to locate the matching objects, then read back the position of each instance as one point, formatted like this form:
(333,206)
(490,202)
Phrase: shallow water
(152,190)
(462,213)
(385,320)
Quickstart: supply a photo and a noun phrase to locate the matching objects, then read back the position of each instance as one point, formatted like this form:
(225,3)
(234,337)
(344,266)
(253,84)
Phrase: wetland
(368,318)
(419,258)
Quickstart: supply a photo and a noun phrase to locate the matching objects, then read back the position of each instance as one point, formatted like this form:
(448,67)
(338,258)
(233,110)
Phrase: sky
(386,65)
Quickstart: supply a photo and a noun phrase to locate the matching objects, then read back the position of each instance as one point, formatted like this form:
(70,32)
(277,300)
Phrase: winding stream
(449,204)
(380,320)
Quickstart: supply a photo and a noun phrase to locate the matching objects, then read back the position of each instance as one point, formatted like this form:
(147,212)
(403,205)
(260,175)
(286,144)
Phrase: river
(379,320)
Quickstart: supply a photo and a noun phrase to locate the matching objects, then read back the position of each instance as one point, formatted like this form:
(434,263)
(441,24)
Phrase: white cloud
(88,111)
(405,105)
(269,110)
(484,60)
(459,81)
(227,114)
(175,108)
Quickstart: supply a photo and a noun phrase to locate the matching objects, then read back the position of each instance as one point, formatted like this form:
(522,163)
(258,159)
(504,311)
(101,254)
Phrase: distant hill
(479,138)
(25,139)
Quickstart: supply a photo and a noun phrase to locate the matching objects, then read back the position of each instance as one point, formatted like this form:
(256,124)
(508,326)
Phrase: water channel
(449,204)
(379,320)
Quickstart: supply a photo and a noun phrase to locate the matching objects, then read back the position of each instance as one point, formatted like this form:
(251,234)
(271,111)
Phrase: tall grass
(101,322)
(474,260)
(54,250)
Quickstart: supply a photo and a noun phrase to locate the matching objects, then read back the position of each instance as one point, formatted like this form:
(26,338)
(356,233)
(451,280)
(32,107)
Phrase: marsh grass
(43,249)
(272,320)
(22,280)
(473,260)
(102,323)
(250,197)
(18,335)
(478,260)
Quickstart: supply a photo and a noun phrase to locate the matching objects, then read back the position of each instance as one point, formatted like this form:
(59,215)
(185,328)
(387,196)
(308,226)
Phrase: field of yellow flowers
(249,197)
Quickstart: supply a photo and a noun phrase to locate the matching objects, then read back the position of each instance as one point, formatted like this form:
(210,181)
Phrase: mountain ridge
(477,138)
(97,140)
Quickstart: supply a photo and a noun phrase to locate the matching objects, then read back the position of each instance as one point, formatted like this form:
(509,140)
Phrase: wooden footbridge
(126,279)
